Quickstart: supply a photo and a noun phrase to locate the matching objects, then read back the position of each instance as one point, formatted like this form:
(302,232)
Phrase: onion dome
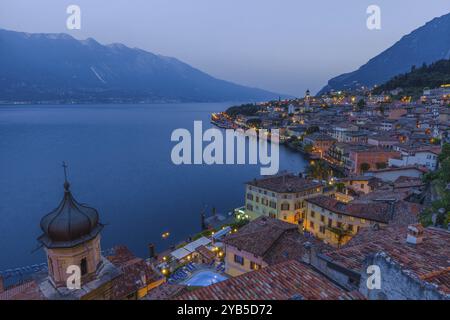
(70,224)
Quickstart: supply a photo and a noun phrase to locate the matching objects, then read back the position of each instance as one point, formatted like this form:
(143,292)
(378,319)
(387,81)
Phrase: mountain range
(426,44)
(59,68)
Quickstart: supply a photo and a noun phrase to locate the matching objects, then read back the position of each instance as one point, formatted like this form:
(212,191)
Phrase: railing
(17,275)
(23,270)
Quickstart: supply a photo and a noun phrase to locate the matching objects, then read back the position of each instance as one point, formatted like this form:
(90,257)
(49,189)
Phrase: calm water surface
(119,163)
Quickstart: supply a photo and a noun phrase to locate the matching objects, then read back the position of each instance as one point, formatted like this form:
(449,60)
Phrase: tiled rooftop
(284,281)
(25,291)
(136,273)
(379,211)
(284,183)
(166,291)
(272,239)
(429,260)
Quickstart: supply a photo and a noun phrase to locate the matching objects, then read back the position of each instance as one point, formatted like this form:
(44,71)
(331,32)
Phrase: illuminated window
(254,266)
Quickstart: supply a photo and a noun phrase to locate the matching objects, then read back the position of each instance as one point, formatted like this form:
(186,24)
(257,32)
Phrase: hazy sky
(281,45)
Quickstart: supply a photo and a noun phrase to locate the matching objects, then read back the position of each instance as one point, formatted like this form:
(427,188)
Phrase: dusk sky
(285,46)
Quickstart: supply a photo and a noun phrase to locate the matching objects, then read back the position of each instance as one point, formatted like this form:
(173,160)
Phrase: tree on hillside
(364,167)
(381,165)
(308,148)
(438,213)
(312,129)
(361,104)
(319,170)
(413,82)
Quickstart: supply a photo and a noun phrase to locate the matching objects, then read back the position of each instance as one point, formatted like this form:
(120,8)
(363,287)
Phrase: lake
(119,163)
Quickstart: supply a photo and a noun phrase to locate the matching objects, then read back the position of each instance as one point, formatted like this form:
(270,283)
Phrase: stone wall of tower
(59,259)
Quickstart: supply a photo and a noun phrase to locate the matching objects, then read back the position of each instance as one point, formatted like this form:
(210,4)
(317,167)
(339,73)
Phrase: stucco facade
(87,256)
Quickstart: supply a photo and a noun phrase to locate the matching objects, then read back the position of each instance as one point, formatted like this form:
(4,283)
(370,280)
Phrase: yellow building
(282,197)
(337,222)
(361,184)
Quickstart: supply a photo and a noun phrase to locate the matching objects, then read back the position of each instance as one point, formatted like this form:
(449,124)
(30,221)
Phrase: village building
(424,156)
(392,174)
(373,158)
(280,196)
(263,242)
(320,143)
(336,222)
(339,131)
(412,260)
(361,184)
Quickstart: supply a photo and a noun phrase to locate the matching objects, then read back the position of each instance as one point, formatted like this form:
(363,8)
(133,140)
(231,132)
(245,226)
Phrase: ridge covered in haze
(59,68)
(426,44)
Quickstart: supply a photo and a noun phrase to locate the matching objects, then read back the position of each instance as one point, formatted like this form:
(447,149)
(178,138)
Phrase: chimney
(415,234)
(306,258)
(151,250)
(2,287)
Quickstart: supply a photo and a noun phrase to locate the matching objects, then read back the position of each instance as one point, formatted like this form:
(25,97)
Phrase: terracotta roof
(259,235)
(284,183)
(166,291)
(378,211)
(136,273)
(418,168)
(271,239)
(284,281)
(205,252)
(374,211)
(25,291)
(320,137)
(429,260)
(387,193)
(408,182)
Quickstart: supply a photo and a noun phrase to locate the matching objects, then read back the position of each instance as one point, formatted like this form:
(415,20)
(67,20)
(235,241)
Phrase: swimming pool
(205,278)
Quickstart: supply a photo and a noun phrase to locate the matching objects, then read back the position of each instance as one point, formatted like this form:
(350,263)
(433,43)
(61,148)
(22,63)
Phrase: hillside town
(376,193)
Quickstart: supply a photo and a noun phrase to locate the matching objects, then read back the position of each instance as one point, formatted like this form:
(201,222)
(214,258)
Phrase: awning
(197,243)
(220,234)
(180,253)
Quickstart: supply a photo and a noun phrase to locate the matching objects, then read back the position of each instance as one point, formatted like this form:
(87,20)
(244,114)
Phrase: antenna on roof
(66,183)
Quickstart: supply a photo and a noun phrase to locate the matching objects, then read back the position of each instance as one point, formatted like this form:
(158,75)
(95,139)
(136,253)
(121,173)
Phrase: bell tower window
(83,266)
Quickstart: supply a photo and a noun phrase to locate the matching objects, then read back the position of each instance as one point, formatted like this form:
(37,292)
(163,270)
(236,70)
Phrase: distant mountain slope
(413,82)
(428,44)
(57,67)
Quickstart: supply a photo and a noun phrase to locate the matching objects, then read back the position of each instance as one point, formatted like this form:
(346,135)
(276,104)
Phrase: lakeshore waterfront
(119,163)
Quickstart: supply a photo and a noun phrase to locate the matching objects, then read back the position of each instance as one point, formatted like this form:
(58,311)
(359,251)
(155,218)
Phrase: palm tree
(319,170)
(341,233)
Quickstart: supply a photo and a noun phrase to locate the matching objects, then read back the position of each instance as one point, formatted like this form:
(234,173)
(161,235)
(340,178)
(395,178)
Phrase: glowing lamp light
(165,235)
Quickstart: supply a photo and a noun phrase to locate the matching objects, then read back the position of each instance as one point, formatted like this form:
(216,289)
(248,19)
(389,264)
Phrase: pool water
(205,278)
